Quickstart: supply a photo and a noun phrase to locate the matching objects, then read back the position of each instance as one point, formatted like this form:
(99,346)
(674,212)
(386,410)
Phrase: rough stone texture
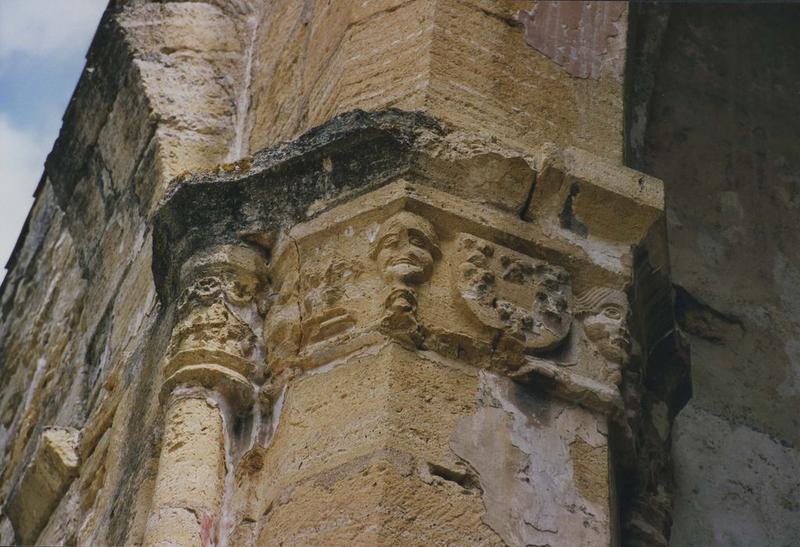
(583,37)
(191,468)
(535,458)
(721,133)
(471,268)
(735,486)
(378,477)
(465,63)
(53,466)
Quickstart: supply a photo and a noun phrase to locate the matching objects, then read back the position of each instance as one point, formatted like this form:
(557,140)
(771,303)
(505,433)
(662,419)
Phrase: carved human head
(405,248)
(604,314)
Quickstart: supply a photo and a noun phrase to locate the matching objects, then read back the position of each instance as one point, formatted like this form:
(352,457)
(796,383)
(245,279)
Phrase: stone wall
(195,287)
(721,130)
(80,317)
(464,62)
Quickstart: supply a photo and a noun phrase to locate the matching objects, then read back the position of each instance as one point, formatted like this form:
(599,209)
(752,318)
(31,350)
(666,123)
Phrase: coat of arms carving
(525,298)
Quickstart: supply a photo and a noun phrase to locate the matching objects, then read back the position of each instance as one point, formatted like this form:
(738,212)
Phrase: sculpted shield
(526,298)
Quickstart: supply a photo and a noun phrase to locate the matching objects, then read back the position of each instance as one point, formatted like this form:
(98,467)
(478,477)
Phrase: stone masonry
(357,273)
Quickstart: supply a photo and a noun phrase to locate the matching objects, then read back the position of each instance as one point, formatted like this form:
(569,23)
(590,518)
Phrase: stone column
(211,361)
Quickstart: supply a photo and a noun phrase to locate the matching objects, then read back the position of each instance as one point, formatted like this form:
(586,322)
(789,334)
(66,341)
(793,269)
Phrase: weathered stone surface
(53,466)
(189,487)
(464,63)
(733,228)
(736,486)
(543,466)
(441,313)
(559,30)
(719,130)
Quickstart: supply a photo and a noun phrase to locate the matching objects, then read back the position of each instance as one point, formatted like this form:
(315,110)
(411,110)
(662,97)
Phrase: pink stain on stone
(208,525)
(585,38)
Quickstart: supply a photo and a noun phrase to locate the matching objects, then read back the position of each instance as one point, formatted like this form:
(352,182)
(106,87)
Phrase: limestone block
(590,196)
(384,475)
(380,505)
(466,63)
(120,141)
(485,77)
(430,449)
(54,465)
(191,467)
(558,31)
(480,171)
(543,466)
(189,59)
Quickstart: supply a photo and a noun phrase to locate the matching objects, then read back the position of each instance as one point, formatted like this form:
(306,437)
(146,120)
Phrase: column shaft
(191,467)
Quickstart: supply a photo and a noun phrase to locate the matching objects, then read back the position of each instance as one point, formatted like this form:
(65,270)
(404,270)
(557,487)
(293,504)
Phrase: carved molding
(214,343)
(411,264)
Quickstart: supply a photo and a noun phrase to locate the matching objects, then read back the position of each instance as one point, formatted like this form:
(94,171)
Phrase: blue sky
(43,45)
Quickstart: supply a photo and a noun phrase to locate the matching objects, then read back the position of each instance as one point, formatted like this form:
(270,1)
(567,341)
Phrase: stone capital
(434,271)
(397,319)
(213,343)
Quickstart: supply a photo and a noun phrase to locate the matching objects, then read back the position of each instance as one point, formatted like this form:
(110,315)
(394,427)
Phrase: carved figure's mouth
(552,314)
(404,261)
(622,342)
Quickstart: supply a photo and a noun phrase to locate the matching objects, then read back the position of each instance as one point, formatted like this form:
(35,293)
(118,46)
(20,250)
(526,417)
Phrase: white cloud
(47,27)
(37,32)
(22,156)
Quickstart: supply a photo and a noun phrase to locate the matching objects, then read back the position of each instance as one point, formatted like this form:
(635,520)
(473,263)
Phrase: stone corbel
(52,468)
(436,272)
(588,196)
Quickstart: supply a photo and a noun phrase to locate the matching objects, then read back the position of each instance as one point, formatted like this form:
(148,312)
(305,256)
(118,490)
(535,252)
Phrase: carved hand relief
(604,312)
(526,298)
(405,249)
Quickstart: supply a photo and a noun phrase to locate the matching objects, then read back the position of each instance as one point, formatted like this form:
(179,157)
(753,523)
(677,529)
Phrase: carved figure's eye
(390,241)
(612,312)
(418,240)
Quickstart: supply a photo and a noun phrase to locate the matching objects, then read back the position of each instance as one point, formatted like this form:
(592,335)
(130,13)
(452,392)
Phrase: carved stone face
(605,323)
(405,249)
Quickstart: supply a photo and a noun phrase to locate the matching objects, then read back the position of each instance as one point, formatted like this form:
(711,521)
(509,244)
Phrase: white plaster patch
(519,443)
